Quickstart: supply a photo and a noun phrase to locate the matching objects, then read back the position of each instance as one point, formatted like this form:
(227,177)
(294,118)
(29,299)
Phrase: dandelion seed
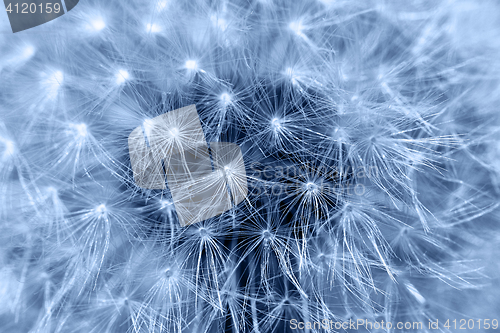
(28,52)
(174,132)
(311,187)
(100,210)
(161,5)
(219,22)
(97,24)
(153,28)
(297,27)
(53,84)
(166,204)
(8,147)
(80,130)
(225,98)
(122,76)
(191,65)
(276,124)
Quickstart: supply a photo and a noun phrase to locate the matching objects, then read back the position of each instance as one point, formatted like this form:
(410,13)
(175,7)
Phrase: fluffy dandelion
(369,133)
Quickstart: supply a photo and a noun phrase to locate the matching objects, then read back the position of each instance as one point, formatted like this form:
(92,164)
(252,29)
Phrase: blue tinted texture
(370,133)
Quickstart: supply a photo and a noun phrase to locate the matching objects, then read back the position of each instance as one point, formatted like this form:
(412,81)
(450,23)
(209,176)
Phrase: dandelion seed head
(321,97)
